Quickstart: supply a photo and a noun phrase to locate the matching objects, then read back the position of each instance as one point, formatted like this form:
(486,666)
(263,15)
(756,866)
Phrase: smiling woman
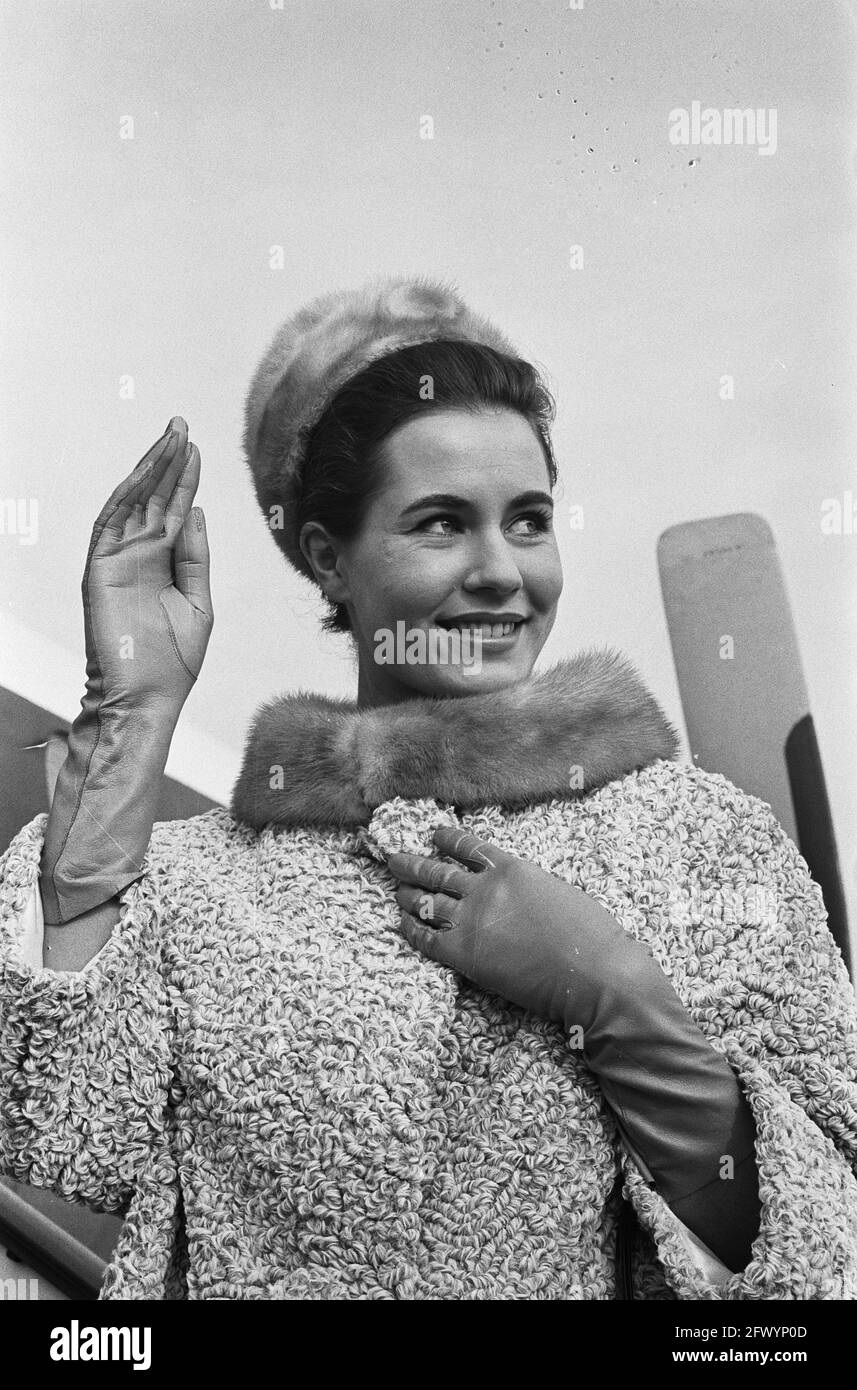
(456,532)
(393,449)
(418,1015)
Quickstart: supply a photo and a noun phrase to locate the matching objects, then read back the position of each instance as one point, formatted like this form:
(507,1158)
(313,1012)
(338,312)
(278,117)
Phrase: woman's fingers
(158,495)
(430,873)
(436,910)
(133,492)
(185,484)
(461,844)
(191,562)
(436,943)
(427,940)
(162,482)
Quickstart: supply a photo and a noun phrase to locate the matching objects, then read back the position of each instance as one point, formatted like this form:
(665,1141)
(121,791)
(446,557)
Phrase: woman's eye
(435,521)
(541,520)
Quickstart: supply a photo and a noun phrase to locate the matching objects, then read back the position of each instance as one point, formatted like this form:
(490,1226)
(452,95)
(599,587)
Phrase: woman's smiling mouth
(484,630)
(487,626)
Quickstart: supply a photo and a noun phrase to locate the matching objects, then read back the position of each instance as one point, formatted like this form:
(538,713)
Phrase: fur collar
(312,761)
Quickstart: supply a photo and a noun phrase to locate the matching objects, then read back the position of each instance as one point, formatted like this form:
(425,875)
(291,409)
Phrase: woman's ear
(324,556)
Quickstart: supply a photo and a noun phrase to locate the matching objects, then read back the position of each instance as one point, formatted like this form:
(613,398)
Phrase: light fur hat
(315,352)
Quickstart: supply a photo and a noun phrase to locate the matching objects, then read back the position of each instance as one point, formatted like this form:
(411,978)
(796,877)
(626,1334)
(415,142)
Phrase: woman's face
(461,537)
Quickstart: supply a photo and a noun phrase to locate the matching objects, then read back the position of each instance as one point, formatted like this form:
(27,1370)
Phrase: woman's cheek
(407,601)
(543,576)
(426,579)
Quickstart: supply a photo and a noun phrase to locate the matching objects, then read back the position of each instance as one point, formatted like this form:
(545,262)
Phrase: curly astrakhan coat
(287,1101)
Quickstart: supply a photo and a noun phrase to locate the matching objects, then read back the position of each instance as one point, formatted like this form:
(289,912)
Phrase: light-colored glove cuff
(103,810)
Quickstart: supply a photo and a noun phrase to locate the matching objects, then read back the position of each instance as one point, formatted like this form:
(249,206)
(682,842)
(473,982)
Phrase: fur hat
(312,356)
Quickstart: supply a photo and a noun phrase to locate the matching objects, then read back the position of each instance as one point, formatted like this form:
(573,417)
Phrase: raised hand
(147,618)
(147,602)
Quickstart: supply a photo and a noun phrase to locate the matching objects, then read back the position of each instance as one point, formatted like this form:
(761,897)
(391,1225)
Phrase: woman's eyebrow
(449,499)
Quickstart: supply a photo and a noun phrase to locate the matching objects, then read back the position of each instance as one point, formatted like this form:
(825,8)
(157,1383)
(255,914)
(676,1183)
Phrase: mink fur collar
(312,761)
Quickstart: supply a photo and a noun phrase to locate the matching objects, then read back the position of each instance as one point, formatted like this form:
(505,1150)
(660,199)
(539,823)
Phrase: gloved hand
(147,620)
(524,934)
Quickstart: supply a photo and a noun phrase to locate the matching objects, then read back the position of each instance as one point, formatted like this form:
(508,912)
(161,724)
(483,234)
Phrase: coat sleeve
(754,962)
(84,1056)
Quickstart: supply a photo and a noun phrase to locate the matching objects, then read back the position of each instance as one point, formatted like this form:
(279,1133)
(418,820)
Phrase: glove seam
(79,799)
(172,633)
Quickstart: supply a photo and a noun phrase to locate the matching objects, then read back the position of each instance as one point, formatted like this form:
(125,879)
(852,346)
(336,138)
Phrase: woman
(472,958)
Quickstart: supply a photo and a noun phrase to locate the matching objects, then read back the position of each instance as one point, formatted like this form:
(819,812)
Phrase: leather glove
(147,620)
(522,933)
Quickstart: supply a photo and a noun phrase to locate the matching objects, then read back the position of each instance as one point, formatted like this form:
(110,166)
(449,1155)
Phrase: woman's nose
(491,565)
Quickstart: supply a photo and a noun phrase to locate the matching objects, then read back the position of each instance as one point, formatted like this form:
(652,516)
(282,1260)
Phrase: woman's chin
(490,673)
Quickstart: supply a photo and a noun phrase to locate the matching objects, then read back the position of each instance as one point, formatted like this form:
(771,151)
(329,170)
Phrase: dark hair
(343,464)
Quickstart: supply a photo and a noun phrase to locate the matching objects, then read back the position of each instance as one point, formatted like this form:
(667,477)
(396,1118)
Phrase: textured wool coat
(286,1100)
